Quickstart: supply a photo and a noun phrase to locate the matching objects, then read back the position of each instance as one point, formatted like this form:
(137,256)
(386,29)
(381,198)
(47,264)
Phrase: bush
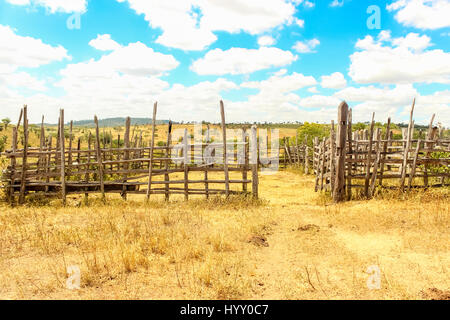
(3,143)
(312,130)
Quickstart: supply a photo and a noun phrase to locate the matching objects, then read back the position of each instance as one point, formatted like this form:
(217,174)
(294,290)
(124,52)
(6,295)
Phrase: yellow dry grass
(292,244)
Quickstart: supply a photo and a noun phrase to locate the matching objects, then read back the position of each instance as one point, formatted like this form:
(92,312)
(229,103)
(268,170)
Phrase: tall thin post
(385,149)
(63,156)
(377,162)
(254,161)
(332,156)
(186,164)
(413,169)
(167,155)
(206,164)
(99,158)
(41,147)
(245,164)
(225,156)
(126,156)
(13,166)
(88,160)
(306,156)
(150,165)
(428,145)
(339,191)
(369,157)
(407,147)
(350,151)
(25,156)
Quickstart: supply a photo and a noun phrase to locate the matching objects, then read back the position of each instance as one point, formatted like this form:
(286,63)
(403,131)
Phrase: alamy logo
(374,20)
(73,281)
(374,280)
(74,21)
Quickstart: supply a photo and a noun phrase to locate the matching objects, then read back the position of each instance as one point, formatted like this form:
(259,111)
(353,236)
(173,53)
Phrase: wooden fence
(365,160)
(63,168)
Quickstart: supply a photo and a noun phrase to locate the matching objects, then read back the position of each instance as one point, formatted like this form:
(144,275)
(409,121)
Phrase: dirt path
(323,252)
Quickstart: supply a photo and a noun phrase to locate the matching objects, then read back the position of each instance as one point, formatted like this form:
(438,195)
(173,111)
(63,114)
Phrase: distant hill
(115,122)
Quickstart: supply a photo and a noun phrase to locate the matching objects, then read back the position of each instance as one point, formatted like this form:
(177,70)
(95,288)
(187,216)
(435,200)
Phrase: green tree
(6,122)
(3,143)
(312,130)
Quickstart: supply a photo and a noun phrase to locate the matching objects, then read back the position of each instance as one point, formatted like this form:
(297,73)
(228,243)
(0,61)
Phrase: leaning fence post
(13,166)
(25,156)
(339,190)
(126,156)
(407,147)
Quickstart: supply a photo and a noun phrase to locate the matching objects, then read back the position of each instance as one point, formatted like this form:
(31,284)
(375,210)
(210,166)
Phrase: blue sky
(270,60)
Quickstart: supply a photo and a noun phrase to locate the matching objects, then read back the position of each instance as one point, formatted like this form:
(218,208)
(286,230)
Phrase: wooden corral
(366,159)
(60,168)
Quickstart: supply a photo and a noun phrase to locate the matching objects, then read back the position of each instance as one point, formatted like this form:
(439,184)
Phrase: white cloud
(313,90)
(136,59)
(18,51)
(55,5)
(306,46)
(422,14)
(309,4)
(189,24)
(404,61)
(318,101)
(334,81)
(300,23)
(289,83)
(276,99)
(241,61)
(265,41)
(337,3)
(103,42)
(22,80)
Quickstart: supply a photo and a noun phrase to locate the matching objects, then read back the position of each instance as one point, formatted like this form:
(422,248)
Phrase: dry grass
(218,249)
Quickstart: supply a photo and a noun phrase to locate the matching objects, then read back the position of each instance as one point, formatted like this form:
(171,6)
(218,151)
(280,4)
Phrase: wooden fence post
(225,156)
(186,164)
(150,165)
(167,155)
(339,192)
(99,158)
(350,151)
(377,162)
(13,166)
(407,147)
(413,169)
(428,145)
(63,156)
(385,149)
(332,157)
(25,156)
(207,163)
(369,157)
(245,164)
(126,156)
(254,161)
(316,162)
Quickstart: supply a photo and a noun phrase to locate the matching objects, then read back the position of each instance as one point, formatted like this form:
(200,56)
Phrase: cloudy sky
(269,60)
